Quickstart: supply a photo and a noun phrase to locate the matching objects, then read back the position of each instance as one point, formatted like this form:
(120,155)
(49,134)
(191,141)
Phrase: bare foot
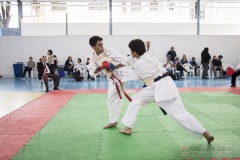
(208,137)
(109,125)
(126,130)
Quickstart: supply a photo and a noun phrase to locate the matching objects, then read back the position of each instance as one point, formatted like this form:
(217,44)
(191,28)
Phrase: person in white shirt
(124,74)
(50,61)
(149,48)
(234,76)
(79,67)
(168,64)
(160,89)
(29,68)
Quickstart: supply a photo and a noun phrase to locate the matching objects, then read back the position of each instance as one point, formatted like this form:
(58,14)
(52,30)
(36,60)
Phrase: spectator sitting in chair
(88,75)
(217,66)
(69,66)
(79,67)
(179,67)
(168,64)
(44,71)
(184,59)
(30,66)
(194,64)
(39,76)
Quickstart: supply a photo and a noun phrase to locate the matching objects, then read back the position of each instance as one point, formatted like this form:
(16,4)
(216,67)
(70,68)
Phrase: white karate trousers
(173,107)
(114,101)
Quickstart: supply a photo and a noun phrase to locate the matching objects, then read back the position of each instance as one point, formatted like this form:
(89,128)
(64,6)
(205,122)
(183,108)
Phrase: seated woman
(69,66)
(179,67)
(184,59)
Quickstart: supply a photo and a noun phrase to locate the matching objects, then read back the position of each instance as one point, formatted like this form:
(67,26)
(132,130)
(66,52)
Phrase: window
(101,6)
(35,8)
(153,6)
(59,6)
(124,8)
(136,7)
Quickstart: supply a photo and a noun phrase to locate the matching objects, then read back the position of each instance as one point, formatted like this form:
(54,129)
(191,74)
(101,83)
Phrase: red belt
(114,78)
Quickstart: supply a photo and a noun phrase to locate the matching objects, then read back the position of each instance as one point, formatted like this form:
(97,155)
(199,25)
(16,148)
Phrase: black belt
(158,78)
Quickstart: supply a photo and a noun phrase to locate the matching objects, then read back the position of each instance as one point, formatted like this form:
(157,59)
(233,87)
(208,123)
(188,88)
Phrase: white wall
(18,49)
(59,29)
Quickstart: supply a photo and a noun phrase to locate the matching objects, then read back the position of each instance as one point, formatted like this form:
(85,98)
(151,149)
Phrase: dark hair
(54,56)
(93,40)
(50,51)
(205,50)
(220,56)
(138,46)
(80,59)
(69,57)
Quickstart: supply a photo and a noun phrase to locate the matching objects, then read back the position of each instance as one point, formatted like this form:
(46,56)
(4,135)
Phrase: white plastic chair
(32,73)
(190,70)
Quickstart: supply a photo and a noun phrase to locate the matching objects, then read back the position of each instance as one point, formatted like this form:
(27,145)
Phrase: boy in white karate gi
(124,74)
(160,89)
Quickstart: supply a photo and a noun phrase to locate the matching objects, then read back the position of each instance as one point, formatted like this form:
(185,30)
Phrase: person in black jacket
(205,58)
(44,72)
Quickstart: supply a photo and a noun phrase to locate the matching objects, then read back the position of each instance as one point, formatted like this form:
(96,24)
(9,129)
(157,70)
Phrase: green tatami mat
(75,132)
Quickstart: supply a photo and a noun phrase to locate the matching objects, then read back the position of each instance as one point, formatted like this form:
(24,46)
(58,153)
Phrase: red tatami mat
(18,127)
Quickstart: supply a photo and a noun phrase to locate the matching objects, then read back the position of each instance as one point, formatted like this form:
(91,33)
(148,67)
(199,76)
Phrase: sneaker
(233,85)
(23,77)
(56,88)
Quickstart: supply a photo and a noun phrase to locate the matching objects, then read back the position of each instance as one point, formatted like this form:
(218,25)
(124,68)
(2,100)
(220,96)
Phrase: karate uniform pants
(173,107)
(114,102)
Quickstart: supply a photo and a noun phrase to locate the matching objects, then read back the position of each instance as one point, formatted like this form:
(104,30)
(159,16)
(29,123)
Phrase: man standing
(44,72)
(205,58)
(160,90)
(172,53)
(124,74)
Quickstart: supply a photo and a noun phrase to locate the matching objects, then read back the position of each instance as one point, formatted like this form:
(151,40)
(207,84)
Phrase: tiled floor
(33,85)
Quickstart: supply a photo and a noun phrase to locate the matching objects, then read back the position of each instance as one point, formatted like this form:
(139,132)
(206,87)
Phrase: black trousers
(181,69)
(56,80)
(27,69)
(234,76)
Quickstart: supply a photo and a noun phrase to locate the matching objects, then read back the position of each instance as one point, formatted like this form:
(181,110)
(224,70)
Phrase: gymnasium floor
(67,124)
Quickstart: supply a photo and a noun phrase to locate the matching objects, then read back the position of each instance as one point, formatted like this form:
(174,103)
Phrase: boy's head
(137,48)
(96,44)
